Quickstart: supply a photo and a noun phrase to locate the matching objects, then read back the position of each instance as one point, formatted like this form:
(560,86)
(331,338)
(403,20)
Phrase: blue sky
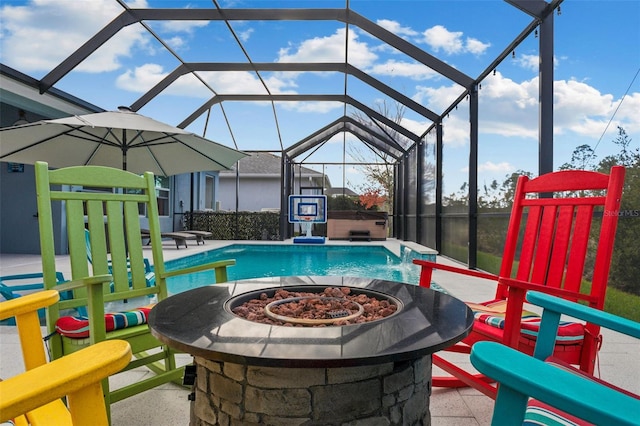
(597,56)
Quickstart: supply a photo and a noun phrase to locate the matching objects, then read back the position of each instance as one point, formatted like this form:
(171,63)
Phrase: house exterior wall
(18,209)
(186,184)
(255,193)
(18,220)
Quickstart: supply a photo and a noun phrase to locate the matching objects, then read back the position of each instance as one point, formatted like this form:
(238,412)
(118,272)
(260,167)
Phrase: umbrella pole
(124,149)
(191,202)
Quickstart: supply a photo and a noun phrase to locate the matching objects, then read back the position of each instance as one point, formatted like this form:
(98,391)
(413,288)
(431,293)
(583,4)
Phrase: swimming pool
(253,260)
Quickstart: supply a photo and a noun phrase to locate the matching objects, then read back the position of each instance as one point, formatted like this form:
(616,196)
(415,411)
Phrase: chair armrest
(94,301)
(85,282)
(220,266)
(586,313)
(9,291)
(29,303)
(522,376)
(428,267)
(69,375)
(559,292)
(455,269)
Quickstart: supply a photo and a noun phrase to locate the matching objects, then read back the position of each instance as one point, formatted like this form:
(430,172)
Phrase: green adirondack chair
(109,203)
(560,392)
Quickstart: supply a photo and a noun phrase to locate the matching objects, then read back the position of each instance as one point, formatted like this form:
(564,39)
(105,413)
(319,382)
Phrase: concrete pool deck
(168,404)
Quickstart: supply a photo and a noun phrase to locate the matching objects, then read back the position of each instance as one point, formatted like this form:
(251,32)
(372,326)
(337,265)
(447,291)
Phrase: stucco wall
(18,223)
(254,194)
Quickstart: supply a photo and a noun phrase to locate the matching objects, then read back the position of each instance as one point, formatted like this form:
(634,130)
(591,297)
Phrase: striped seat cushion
(77,326)
(493,313)
(539,413)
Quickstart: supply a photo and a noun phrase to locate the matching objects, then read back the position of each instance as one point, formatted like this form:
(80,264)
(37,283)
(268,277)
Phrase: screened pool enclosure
(254,97)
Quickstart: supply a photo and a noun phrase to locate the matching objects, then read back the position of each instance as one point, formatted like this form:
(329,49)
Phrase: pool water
(281,260)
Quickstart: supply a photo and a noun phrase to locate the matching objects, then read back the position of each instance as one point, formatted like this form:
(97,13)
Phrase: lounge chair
(178,237)
(200,235)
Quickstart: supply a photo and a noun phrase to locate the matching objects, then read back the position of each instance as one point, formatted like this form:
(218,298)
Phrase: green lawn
(617,302)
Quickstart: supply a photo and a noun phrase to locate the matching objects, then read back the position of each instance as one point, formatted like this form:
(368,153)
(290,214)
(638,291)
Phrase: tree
(372,199)
(582,158)
(377,165)
(625,263)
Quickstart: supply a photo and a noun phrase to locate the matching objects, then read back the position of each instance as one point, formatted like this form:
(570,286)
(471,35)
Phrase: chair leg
(461,378)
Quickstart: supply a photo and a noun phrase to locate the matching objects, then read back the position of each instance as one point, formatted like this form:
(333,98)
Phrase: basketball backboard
(307,208)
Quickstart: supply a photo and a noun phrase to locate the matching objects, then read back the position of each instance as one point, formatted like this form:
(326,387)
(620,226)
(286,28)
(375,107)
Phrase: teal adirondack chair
(559,391)
(25,283)
(108,202)
(149,275)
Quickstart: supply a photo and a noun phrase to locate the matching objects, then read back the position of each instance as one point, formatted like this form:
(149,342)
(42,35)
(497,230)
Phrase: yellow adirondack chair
(34,397)
(109,203)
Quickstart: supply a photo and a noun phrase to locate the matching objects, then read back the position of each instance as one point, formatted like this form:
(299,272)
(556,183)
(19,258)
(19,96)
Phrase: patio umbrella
(122,139)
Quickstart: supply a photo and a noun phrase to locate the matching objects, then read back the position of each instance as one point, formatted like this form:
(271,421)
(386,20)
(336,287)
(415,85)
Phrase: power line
(616,111)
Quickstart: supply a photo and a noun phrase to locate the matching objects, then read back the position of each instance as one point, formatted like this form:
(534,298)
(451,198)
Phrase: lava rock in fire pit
(334,306)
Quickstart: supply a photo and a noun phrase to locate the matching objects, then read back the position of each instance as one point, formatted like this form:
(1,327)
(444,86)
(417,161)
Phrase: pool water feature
(257,260)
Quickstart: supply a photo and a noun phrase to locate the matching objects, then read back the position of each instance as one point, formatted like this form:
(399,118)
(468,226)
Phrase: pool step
(356,235)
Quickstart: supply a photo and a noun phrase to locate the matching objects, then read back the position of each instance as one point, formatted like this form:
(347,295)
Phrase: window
(162,193)
(209,192)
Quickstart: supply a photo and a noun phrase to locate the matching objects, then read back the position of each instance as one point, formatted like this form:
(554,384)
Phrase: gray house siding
(255,193)
(18,218)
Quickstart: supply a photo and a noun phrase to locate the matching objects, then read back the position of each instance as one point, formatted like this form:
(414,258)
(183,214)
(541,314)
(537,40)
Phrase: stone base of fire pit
(384,394)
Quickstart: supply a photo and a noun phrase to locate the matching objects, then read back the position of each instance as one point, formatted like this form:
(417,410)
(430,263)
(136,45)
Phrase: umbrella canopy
(120,139)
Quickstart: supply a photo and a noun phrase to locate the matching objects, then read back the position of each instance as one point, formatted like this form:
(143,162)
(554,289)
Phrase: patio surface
(168,404)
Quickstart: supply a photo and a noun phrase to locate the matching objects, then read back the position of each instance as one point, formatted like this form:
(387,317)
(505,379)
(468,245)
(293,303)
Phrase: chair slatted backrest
(552,219)
(108,202)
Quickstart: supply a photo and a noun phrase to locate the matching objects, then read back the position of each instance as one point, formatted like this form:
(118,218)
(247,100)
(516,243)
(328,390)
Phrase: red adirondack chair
(553,224)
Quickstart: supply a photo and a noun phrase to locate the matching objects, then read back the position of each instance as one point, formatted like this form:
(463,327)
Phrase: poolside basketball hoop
(307,210)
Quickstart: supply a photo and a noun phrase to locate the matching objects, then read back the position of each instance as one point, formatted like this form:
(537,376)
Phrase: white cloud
(25,28)
(182,26)
(439,38)
(329,49)
(510,109)
(455,131)
(412,70)
(475,46)
(141,79)
(417,127)
(144,77)
(176,43)
(246,34)
(528,62)
(437,98)
(489,166)
(311,107)
(532,62)
(452,42)
(396,28)
(492,169)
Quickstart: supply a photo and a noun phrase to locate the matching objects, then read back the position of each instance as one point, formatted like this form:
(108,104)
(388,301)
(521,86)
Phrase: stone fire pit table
(376,373)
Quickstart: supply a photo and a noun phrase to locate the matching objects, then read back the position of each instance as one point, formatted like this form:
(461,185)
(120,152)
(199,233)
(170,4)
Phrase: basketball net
(307,224)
